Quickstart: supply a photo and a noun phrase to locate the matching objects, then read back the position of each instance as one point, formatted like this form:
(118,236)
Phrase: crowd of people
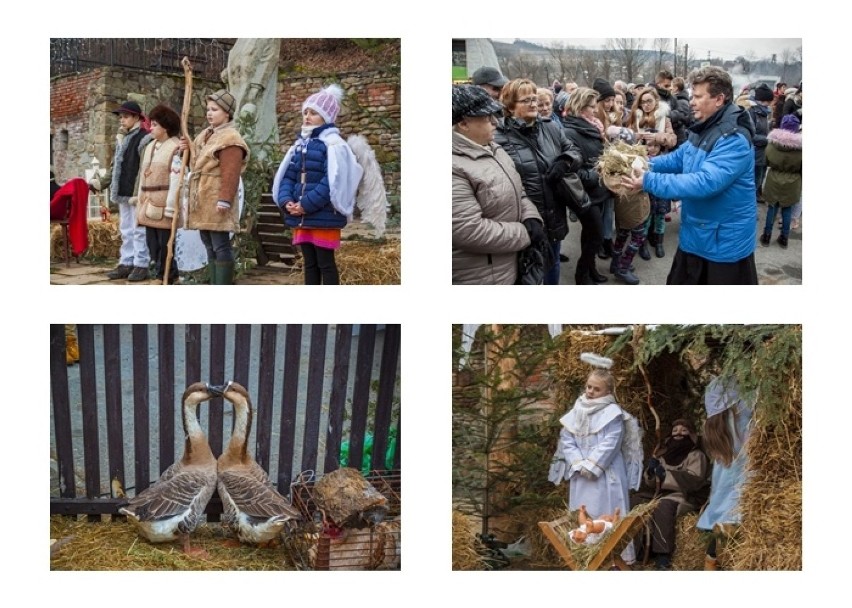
(712,156)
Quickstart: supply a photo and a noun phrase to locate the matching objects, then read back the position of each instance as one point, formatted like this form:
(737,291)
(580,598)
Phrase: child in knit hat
(219,157)
(315,186)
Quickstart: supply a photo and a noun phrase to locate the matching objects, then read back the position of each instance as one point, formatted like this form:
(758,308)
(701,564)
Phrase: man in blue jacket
(712,174)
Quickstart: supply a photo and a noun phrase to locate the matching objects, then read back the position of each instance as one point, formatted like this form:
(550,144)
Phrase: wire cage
(314,545)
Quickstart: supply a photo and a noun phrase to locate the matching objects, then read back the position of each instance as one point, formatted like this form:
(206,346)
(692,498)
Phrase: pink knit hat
(326,103)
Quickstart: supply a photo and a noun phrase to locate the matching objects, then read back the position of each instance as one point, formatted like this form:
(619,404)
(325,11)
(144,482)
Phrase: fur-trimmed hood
(785,139)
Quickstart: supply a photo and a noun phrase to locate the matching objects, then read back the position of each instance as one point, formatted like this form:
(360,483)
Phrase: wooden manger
(605,553)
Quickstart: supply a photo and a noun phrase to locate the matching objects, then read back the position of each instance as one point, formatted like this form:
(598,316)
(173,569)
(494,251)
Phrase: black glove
(660,472)
(536,231)
(652,466)
(557,170)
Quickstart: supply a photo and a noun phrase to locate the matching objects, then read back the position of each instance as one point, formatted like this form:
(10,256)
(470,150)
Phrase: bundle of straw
(465,555)
(619,159)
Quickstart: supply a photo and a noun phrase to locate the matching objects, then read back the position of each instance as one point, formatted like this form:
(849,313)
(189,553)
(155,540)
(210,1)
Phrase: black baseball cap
(487,75)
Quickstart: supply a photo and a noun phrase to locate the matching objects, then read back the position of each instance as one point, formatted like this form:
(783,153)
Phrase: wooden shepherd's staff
(184,118)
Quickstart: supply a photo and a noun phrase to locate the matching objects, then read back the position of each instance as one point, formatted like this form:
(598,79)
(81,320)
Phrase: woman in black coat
(586,132)
(542,155)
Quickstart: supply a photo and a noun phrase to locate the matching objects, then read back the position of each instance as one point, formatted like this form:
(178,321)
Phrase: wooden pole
(184,119)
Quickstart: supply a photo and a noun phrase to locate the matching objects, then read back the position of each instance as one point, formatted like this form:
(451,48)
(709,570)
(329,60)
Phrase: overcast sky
(726,48)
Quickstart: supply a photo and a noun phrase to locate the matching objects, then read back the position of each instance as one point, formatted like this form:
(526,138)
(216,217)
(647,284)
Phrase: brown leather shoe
(121,271)
(138,274)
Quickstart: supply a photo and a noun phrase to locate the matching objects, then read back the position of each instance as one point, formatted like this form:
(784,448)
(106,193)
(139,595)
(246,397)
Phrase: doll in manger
(591,530)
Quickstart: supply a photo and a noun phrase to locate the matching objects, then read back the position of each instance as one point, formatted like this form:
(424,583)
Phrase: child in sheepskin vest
(219,157)
(783,186)
(315,186)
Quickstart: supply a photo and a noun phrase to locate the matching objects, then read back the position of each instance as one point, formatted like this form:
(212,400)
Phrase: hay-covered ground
(360,261)
(115,545)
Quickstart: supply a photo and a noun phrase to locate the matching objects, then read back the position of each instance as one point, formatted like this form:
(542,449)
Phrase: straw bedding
(115,545)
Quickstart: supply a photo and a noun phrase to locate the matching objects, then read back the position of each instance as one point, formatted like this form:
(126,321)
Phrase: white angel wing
(371,198)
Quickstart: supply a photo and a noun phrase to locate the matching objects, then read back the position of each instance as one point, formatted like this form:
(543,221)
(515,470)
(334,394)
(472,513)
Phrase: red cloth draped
(73,198)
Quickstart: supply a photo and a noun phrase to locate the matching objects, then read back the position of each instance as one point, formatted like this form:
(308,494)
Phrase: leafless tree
(661,47)
(563,57)
(630,54)
(787,58)
(522,65)
(588,67)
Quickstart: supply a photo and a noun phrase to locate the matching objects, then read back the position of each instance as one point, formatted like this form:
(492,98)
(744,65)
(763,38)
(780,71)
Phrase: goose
(172,507)
(252,507)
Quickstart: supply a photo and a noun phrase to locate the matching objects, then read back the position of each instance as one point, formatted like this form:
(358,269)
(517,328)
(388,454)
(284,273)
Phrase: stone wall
(82,125)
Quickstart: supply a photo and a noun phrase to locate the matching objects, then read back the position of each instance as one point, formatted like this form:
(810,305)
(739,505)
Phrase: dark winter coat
(588,139)
(760,117)
(681,115)
(311,157)
(534,149)
(784,177)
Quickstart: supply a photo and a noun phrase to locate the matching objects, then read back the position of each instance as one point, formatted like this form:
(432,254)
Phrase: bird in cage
(172,508)
(253,509)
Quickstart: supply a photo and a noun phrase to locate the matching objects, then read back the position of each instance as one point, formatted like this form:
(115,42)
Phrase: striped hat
(326,103)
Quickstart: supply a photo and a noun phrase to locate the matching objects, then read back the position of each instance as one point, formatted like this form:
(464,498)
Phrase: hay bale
(770,537)
(369,262)
(349,500)
(465,555)
(542,553)
(690,544)
(104,240)
(571,373)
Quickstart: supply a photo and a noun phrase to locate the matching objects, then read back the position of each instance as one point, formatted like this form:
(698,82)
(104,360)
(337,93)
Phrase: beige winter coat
(489,205)
(154,180)
(212,180)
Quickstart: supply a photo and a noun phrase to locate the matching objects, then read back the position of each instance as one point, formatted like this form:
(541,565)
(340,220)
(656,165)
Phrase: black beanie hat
(603,88)
(763,93)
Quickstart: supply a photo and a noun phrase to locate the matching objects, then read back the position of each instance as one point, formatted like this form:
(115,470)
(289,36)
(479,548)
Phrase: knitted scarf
(596,121)
(583,410)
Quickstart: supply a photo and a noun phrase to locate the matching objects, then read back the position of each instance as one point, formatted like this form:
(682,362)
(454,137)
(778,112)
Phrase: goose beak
(218,390)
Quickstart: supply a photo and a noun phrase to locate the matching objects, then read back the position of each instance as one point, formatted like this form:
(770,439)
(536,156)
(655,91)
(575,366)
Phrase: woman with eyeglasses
(583,128)
(649,120)
(543,156)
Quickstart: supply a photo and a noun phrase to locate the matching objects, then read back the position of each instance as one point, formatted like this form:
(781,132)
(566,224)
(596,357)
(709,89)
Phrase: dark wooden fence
(313,387)
(209,56)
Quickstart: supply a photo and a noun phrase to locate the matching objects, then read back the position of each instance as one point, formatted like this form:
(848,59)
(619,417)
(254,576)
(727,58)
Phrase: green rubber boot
(224,273)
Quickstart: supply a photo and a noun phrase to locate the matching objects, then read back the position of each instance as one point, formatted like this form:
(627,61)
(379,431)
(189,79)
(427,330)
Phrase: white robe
(599,451)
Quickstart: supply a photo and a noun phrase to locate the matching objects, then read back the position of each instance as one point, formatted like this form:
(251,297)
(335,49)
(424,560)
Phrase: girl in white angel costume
(600,449)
